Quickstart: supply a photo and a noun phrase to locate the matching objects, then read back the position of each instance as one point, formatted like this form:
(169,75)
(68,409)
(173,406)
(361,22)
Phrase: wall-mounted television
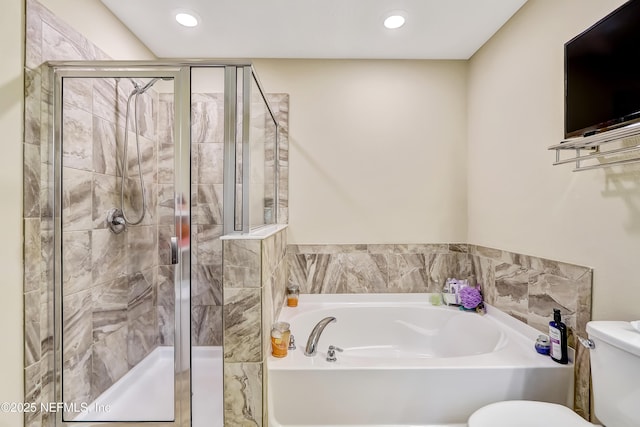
(602,74)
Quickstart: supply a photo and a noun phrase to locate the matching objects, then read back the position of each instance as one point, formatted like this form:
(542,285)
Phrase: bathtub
(406,362)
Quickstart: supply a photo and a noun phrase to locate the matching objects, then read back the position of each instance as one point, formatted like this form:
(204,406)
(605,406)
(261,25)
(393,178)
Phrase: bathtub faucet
(314,337)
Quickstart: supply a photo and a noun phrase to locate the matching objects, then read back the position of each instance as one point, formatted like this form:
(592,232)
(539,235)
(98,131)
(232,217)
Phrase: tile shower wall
(109,281)
(255,277)
(207,148)
(255,273)
(526,287)
(47,39)
(207,152)
(207,125)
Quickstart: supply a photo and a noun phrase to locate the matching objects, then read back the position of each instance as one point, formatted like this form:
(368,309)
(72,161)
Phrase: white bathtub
(406,362)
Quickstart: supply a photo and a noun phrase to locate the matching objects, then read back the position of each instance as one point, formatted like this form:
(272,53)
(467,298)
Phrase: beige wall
(93,20)
(518,201)
(377,149)
(11,89)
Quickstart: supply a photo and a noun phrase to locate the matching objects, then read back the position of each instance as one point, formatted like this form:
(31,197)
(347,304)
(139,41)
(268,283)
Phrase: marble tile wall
(49,39)
(254,277)
(112,303)
(526,287)
(109,281)
(374,268)
(207,203)
(255,273)
(207,137)
(529,288)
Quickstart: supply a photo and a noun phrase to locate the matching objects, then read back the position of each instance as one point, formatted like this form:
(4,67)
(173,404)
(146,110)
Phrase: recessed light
(394,21)
(186,19)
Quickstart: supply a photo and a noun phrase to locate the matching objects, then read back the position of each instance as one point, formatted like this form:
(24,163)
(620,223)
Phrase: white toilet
(615,370)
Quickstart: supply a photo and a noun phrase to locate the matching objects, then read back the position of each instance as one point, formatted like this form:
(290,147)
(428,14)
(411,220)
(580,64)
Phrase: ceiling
(434,29)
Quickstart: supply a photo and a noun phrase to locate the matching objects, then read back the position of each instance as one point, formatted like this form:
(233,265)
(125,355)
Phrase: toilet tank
(615,372)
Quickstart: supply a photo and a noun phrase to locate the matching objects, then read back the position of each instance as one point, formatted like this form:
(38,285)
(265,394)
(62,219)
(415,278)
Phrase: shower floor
(146,392)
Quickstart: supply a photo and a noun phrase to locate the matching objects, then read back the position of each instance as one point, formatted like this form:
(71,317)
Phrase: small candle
(293,292)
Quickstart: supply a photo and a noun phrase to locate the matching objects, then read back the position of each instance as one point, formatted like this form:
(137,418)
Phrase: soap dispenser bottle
(558,338)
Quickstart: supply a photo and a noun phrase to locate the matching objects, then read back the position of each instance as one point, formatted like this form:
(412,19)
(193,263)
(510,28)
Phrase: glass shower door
(122,212)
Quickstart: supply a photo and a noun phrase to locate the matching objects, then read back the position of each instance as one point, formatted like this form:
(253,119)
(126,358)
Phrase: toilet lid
(524,413)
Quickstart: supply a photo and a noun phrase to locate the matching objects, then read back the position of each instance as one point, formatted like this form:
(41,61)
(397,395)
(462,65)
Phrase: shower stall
(151,163)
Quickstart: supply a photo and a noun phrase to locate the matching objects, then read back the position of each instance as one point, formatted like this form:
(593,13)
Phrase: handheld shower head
(139,90)
(143,89)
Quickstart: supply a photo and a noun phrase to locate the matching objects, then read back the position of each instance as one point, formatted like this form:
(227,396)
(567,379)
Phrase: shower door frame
(180,74)
(232,141)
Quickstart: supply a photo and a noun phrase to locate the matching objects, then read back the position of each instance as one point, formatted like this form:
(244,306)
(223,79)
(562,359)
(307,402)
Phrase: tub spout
(314,337)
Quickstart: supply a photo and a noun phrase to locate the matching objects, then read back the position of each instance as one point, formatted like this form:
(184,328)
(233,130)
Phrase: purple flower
(470,297)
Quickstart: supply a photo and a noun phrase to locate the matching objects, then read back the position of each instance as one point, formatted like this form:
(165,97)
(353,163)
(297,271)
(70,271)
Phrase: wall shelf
(590,153)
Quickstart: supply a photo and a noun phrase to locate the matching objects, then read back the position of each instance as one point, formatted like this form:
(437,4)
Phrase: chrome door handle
(174,250)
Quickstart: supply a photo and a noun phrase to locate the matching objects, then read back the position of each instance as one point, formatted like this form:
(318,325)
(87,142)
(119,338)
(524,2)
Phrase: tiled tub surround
(255,273)
(526,287)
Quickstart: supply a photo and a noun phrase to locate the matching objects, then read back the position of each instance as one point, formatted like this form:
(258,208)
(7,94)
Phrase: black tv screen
(602,74)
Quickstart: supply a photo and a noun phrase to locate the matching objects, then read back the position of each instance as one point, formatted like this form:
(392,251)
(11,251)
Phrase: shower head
(143,89)
(137,89)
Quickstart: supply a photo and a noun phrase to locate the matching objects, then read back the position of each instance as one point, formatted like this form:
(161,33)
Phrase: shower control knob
(115,221)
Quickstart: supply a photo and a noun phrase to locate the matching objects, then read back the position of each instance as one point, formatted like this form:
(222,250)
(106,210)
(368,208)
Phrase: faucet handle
(331,353)
(292,342)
